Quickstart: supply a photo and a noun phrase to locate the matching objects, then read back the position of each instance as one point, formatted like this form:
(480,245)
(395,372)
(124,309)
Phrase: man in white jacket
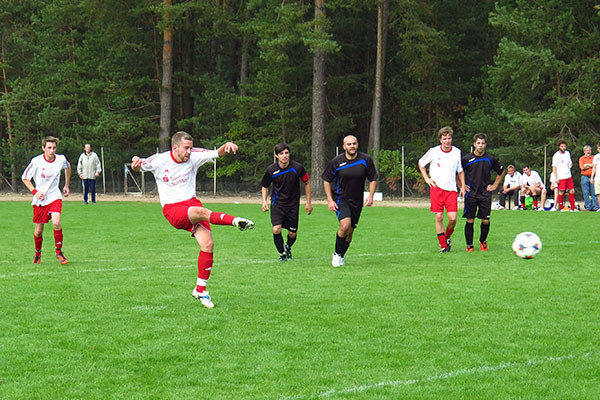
(89,168)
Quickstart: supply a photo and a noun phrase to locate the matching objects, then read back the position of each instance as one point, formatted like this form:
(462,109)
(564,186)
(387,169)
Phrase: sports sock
(346,248)
(205,262)
(278,239)
(58,240)
(442,239)
(38,244)
(561,202)
(572,200)
(340,245)
(449,233)
(291,240)
(219,218)
(469,233)
(535,202)
(485,229)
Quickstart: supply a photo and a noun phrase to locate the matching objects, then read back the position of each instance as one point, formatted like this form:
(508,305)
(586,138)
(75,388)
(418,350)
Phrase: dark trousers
(515,194)
(89,186)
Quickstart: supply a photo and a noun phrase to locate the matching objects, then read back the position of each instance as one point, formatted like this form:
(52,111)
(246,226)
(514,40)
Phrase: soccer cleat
(61,258)
(204,298)
(540,208)
(448,245)
(483,246)
(243,224)
(37,259)
(288,251)
(337,260)
(444,250)
(470,249)
(552,209)
(283,257)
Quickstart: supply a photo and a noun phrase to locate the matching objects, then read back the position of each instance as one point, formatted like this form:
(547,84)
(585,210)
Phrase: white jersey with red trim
(563,164)
(176,181)
(533,179)
(444,166)
(46,175)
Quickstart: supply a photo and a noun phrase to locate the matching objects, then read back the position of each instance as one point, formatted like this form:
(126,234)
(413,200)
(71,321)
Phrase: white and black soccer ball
(527,245)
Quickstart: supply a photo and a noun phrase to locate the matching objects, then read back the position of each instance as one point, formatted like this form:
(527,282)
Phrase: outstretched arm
(227,148)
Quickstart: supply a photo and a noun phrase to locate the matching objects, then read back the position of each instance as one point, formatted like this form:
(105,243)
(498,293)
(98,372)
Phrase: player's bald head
(349,139)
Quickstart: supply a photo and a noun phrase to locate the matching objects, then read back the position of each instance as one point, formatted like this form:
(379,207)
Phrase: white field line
(66,270)
(441,376)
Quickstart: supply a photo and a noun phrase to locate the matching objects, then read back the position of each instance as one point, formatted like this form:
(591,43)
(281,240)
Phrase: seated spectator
(533,186)
(554,189)
(511,187)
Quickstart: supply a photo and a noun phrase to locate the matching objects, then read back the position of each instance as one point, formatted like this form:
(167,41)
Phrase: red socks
(38,244)
(442,239)
(572,200)
(58,239)
(205,262)
(219,218)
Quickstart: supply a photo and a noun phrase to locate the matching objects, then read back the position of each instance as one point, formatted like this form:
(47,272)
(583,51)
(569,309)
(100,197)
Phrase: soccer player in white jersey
(533,186)
(595,169)
(47,199)
(445,166)
(175,175)
(561,166)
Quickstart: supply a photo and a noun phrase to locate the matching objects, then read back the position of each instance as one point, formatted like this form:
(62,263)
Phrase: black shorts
(345,210)
(480,208)
(287,217)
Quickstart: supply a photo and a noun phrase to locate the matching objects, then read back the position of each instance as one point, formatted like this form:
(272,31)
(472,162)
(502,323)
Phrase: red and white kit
(176,181)
(563,164)
(444,166)
(46,175)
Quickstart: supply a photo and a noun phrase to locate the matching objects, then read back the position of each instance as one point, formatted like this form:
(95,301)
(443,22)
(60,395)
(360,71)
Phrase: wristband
(34,191)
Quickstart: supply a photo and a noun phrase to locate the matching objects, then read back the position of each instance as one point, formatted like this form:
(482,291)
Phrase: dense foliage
(525,72)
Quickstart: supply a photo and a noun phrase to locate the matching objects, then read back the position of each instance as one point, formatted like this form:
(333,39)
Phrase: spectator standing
(561,166)
(89,168)
(586,165)
(593,177)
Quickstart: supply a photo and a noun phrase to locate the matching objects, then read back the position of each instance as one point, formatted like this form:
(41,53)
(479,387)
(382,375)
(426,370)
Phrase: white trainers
(204,298)
(243,224)
(337,260)
(552,209)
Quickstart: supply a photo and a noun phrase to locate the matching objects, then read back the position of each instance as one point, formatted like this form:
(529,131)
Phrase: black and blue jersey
(285,181)
(478,173)
(347,177)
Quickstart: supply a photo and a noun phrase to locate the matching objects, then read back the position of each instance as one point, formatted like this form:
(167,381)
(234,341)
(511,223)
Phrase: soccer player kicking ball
(445,165)
(175,174)
(47,199)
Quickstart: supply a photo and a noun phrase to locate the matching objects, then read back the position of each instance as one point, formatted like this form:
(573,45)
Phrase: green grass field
(398,321)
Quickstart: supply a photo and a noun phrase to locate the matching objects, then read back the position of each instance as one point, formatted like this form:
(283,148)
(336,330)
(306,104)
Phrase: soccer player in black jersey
(478,167)
(285,175)
(344,182)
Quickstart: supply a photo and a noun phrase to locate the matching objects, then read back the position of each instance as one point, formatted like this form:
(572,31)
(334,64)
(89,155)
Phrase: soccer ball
(527,245)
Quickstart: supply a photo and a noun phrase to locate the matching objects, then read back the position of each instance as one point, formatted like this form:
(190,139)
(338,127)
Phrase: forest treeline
(120,74)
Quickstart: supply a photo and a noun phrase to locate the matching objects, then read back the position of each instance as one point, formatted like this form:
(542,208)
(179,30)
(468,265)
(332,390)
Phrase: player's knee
(197,214)
(276,230)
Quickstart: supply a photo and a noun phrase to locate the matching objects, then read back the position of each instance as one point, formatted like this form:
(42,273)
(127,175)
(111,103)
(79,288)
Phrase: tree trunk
(375,128)
(166,97)
(244,63)
(318,108)
(13,167)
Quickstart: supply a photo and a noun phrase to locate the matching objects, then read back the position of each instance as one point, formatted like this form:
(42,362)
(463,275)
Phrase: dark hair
(279,147)
(478,136)
(561,141)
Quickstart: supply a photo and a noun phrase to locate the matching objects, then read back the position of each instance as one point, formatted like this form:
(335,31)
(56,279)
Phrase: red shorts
(177,215)
(442,198)
(566,184)
(41,214)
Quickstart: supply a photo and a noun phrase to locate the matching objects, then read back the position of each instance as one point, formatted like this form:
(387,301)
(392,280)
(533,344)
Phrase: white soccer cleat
(204,298)
(243,224)
(337,260)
